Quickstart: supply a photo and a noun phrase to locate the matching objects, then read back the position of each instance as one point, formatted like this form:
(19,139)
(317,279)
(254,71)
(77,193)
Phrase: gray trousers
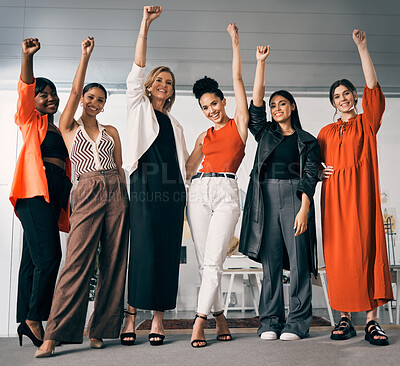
(281,207)
(100,214)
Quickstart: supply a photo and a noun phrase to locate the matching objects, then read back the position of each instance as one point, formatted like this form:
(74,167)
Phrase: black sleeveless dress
(157,201)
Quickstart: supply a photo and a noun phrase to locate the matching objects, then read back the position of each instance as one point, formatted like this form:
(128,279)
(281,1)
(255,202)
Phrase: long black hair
(207,85)
(294,117)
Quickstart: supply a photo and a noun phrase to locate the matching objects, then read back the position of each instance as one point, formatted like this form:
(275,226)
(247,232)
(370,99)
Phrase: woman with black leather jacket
(278,227)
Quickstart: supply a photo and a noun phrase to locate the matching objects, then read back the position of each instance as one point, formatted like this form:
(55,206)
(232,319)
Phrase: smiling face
(344,99)
(162,87)
(281,109)
(93,101)
(213,107)
(46,101)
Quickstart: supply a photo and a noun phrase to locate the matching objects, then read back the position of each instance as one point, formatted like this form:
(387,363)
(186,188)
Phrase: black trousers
(41,251)
(281,207)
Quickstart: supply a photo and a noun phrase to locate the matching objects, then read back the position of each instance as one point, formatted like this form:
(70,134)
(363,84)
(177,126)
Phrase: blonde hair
(150,80)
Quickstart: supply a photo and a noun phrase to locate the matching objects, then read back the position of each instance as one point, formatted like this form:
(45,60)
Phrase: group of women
(278,226)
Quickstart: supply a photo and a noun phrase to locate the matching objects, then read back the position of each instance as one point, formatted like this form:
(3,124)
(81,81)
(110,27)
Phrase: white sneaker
(269,336)
(289,337)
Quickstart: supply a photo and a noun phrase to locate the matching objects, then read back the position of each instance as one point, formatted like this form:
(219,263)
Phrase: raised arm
(67,122)
(149,14)
(242,111)
(360,39)
(259,79)
(29,47)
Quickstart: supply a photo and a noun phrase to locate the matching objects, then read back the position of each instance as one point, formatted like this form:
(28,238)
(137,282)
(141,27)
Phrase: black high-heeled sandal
(222,337)
(23,329)
(123,336)
(200,342)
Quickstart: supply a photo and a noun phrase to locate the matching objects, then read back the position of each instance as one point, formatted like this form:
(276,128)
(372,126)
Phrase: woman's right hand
(151,13)
(326,172)
(87,46)
(30,46)
(262,53)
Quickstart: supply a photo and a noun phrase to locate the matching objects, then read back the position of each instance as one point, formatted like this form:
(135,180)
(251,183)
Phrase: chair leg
(324,288)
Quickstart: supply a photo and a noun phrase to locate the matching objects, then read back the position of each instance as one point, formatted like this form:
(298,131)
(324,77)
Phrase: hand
(359,38)
(233,30)
(326,172)
(262,53)
(87,46)
(151,12)
(30,46)
(300,222)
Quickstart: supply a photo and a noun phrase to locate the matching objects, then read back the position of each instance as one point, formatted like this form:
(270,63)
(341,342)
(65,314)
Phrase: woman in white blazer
(156,158)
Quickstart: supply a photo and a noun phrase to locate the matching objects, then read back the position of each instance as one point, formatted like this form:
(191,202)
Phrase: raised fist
(30,46)
(359,38)
(151,12)
(262,53)
(233,30)
(87,46)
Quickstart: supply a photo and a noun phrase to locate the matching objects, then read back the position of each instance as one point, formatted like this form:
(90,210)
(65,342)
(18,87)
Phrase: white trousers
(213,211)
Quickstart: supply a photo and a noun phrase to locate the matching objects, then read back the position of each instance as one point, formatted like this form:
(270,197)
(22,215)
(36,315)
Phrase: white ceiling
(311,44)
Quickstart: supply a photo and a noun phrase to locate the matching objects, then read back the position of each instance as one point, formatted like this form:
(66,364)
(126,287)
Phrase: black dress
(157,204)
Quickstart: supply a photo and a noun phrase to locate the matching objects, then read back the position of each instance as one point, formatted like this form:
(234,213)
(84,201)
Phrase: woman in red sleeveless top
(213,206)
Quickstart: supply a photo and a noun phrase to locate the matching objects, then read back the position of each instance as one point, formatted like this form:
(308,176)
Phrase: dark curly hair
(206,85)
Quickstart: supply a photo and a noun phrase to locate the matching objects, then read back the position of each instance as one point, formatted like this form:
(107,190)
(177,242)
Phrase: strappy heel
(123,336)
(200,342)
(226,337)
(373,329)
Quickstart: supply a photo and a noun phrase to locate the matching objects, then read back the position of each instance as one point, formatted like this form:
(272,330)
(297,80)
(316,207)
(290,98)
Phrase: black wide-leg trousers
(281,207)
(41,251)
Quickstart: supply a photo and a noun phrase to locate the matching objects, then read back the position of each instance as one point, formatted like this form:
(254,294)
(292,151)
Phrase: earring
(169,100)
(102,110)
(81,104)
(149,94)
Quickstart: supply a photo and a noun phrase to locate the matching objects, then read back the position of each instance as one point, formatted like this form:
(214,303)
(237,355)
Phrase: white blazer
(143,127)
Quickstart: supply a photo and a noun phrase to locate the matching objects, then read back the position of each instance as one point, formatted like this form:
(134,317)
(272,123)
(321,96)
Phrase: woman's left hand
(233,30)
(300,222)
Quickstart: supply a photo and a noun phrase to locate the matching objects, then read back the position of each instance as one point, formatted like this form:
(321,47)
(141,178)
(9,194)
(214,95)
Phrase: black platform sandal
(373,329)
(123,336)
(346,326)
(156,342)
(222,337)
(200,342)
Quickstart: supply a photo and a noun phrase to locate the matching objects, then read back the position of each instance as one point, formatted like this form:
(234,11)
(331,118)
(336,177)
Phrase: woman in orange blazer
(40,196)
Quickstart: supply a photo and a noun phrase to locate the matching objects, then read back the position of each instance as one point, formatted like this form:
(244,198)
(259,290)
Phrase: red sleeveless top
(223,149)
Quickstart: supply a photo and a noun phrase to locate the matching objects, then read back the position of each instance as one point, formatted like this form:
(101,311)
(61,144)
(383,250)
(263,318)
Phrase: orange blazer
(29,176)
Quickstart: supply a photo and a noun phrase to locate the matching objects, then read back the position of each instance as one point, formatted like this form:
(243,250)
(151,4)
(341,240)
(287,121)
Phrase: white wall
(314,113)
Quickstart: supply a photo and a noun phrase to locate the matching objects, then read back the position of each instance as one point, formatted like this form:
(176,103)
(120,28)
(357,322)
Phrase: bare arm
(67,122)
(29,47)
(259,79)
(242,111)
(360,39)
(149,14)
(117,151)
(195,157)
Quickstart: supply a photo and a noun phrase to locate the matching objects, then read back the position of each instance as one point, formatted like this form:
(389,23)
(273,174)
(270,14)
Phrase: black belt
(214,175)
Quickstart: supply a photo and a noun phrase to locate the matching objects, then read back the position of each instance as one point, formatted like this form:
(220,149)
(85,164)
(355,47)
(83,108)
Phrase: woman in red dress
(352,227)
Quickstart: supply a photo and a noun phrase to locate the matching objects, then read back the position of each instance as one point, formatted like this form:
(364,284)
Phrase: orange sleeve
(26,103)
(373,104)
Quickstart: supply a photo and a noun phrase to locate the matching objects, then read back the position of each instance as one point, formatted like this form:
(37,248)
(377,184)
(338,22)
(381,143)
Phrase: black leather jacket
(268,136)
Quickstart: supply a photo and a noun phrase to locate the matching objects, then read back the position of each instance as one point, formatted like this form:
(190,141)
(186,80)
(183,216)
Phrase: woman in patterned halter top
(100,214)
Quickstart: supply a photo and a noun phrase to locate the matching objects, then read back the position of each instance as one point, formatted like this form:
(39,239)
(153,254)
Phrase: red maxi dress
(353,235)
